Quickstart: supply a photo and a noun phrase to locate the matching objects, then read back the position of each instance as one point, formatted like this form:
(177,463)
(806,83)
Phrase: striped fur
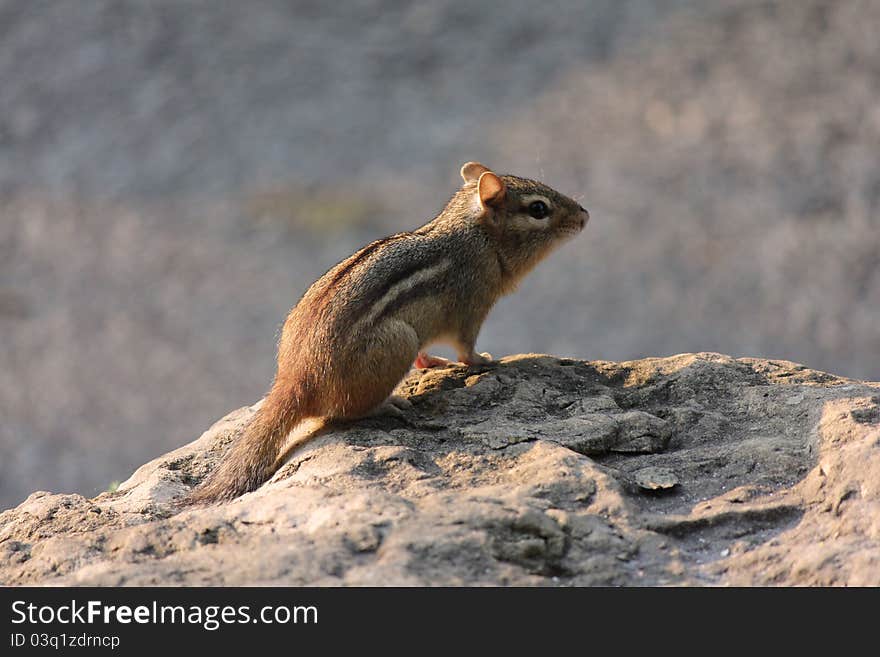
(357,330)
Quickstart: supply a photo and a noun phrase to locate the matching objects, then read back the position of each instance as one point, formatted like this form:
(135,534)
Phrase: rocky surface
(173,175)
(695,469)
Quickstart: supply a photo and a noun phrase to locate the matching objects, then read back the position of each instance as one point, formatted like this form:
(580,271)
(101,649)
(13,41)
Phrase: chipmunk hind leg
(372,370)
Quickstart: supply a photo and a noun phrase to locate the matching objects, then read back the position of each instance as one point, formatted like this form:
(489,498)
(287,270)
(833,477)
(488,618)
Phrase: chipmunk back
(360,327)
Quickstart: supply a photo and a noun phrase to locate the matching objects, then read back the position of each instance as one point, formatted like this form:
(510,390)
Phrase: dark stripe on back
(379,291)
(324,298)
(414,293)
(362,255)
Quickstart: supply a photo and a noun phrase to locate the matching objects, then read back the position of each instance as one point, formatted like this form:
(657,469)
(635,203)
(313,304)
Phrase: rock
(653,478)
(529,471)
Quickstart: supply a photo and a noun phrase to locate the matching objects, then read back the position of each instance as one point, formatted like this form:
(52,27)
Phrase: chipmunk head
(526,218)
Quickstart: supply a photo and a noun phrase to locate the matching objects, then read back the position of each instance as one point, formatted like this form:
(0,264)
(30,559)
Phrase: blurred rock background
(173,175)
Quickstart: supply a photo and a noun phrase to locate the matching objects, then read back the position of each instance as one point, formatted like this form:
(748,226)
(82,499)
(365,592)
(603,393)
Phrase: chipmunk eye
(538,209)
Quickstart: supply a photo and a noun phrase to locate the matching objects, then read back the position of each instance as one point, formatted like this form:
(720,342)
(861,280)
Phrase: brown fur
(356,331)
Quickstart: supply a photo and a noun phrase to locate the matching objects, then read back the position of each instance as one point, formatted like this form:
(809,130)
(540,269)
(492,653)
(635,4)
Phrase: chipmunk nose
(585,216)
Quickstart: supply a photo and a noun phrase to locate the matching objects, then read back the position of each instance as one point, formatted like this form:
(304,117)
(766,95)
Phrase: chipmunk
(357,330)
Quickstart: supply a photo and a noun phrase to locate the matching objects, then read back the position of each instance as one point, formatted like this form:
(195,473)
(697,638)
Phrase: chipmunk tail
(252,459)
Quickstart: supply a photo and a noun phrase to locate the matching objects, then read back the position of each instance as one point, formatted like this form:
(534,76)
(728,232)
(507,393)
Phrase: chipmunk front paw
(424,361)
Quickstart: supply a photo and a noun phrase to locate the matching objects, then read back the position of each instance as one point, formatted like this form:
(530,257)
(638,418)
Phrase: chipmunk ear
(490,189)
(490,196)
(471,171)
